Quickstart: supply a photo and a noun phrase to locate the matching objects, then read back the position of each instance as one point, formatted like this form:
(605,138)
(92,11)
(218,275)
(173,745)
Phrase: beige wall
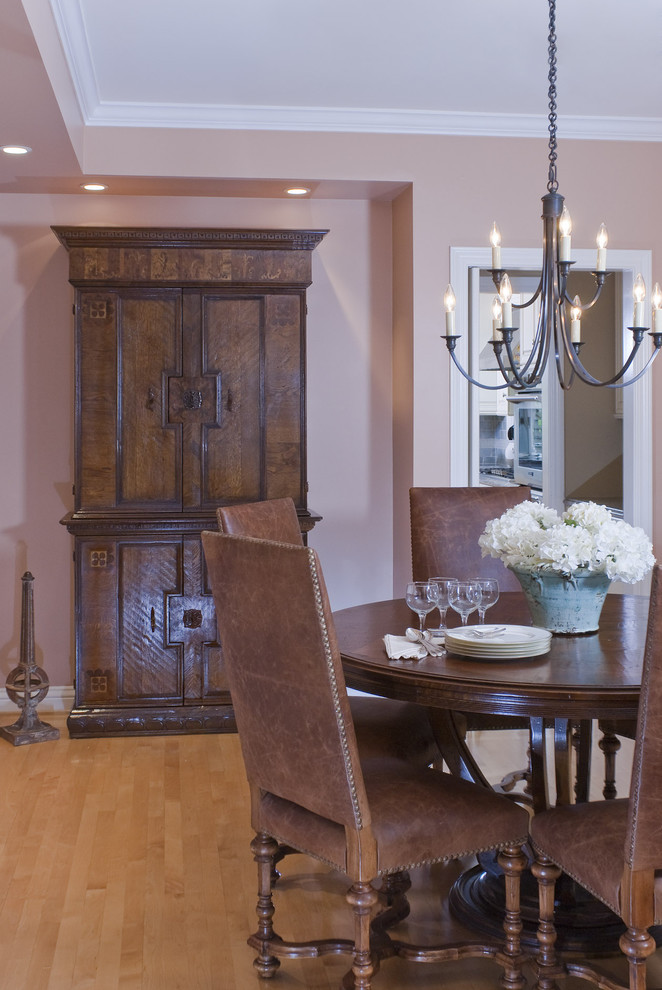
(378,404)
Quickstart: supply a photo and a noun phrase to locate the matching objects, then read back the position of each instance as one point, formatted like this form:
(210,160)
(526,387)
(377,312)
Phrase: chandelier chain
(552,181)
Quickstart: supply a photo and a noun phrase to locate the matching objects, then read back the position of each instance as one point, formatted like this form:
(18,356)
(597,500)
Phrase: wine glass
(465,598)
(443,587)
(420,596)
(489,595)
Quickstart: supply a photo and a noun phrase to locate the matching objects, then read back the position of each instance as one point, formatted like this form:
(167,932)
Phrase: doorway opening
(515,427)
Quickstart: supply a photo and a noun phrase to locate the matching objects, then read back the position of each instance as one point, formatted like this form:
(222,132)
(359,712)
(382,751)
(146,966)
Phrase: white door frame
(637,398)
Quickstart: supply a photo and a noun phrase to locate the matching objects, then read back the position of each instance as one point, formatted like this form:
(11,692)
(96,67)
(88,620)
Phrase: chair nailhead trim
(334,687)
(635,789)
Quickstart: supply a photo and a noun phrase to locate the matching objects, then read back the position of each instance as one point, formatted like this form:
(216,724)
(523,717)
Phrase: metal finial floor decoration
(27,684)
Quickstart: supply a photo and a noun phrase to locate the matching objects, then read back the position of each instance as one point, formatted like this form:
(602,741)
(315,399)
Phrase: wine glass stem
(442,613)
(481,615)
(421,621)
(465,616)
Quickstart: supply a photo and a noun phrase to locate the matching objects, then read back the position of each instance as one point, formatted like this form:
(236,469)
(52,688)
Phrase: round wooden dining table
(582,678)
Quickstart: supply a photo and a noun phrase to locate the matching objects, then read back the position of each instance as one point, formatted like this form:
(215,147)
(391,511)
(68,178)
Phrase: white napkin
(414,646)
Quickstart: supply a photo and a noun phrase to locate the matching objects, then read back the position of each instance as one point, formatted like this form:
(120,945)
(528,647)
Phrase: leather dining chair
(612,848)
(445,526)
(309,787)
(383,727)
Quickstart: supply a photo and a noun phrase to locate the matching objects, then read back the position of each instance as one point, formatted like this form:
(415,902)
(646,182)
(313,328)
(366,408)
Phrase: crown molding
(370,121)
(70,25)
(71,29)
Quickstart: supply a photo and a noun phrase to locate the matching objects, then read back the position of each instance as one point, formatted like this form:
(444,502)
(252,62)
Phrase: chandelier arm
(539,350)
(531,301)
(515,382)
(588,378)
(616,382)
(585,306)
(537,353)
(540,347)
(585,376)
(564,382)
(639,374)
(524,381)
(450,344)
(521,374)
(547,290)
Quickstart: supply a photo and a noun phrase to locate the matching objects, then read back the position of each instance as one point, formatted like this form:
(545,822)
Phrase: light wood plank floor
(125,866)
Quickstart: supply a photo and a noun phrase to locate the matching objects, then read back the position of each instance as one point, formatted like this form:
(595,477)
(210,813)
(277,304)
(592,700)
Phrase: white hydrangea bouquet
(586,538)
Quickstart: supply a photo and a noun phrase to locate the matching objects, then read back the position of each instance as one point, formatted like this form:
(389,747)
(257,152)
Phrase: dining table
(582,678)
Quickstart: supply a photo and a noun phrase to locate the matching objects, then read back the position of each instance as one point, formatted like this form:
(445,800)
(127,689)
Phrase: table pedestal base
(583,924)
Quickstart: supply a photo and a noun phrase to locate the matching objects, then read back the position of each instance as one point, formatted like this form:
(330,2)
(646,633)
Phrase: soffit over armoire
(189,394)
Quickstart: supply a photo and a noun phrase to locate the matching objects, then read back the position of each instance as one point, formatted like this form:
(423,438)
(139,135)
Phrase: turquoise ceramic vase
(564,604)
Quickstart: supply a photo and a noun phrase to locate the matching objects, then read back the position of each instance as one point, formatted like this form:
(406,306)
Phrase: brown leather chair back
(285,675)
(276,519)
(445,526)
(643,849)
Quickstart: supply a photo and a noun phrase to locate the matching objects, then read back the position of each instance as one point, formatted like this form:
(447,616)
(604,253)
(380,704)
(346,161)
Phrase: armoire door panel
(150,444)
(230,462)
(192,623)
(97,578)
(150,667)
(96,400)
(283,414)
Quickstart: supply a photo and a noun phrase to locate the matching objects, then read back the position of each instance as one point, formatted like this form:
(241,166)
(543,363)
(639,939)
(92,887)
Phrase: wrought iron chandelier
(552,330)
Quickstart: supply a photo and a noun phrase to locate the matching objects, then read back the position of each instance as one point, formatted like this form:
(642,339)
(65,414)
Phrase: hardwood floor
(126,867)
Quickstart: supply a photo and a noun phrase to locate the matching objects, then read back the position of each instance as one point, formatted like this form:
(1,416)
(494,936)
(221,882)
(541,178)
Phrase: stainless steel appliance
(528,453)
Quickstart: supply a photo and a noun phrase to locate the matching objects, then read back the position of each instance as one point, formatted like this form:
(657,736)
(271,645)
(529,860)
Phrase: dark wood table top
(595,675)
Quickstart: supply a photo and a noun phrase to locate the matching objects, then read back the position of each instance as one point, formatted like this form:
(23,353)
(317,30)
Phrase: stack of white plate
(498,642)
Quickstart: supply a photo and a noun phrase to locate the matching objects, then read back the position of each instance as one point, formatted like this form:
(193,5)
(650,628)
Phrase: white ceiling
(431,66)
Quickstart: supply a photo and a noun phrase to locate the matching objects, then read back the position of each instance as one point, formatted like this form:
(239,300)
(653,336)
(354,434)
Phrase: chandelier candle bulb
(449,306)
(601,241)
(565,230)
(506,295)
(656,301)
(495,241)
(639,293)
(496,317)
(575,321)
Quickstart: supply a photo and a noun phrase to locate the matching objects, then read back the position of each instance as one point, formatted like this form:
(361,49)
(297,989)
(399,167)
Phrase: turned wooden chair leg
(362,897)
(547,963)
(582,738)
(394,890)
(264,849)
(610,745)
(512,861)
(637,944)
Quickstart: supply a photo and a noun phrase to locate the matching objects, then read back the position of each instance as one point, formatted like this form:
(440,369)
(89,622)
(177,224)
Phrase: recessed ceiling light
(94,186)
(16,149)
(297,191)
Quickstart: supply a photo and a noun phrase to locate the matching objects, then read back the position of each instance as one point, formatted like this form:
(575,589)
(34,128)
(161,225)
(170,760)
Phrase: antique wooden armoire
(189,393)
